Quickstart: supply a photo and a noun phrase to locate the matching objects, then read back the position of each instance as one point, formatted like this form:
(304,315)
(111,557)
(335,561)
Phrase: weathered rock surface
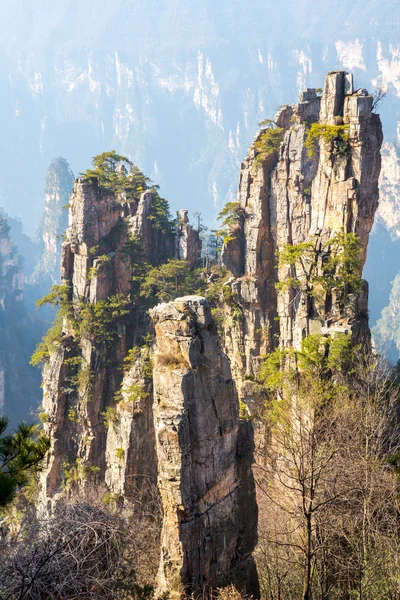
(209,528)
(117,425)
(96,440)
(188,243)
(293,197)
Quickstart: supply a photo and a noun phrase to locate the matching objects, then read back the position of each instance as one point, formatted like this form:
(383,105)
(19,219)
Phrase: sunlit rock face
(125,416)
(205,479)
(291,198)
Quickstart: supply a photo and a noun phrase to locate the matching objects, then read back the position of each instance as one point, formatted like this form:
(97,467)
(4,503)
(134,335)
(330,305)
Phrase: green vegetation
(72,416)
(44,417)
(170,280)
(160,216)
(58,297)
(230,217)
(99,321)
(139,356)
(118,174)
(49,341)
(111,417)
(21,455)
(131,393)
(328,484)
(340,263)
(330,134)
(120,453)
(269,141)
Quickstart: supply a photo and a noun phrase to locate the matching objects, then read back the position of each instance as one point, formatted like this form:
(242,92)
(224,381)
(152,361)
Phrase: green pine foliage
(52,338)
(269,142)
(336,135)
(21,455)
(118,174)
(315,365)
(170,280)
(99,321)
(230,217)
(341,265)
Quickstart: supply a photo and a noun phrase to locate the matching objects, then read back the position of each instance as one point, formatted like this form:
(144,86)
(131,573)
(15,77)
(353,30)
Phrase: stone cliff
(128,410)
(54,222)
(309,191)
(207,487)
(117,423)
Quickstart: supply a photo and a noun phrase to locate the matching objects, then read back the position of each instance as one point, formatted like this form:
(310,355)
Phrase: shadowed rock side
(291,197)
(204,457)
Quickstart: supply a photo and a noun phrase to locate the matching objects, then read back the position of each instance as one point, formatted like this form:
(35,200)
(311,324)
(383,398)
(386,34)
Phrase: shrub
(43,349)
(119,453)
(230,217)
(170,280)
(111,417)
(329,133)
(99,321)
(269,141)
(172,360)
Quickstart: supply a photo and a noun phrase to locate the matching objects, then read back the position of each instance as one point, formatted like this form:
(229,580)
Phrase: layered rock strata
(293,196)
(96,441)
(118,424)
(210,513)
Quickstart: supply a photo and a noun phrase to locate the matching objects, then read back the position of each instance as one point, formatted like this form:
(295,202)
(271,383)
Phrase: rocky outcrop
(95,439)
(291,197)
(209,529)
(123,416)
(58,188)
(188,242)
(125,409)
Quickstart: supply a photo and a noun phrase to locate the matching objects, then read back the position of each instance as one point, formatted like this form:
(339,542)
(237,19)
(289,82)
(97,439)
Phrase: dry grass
(171,360)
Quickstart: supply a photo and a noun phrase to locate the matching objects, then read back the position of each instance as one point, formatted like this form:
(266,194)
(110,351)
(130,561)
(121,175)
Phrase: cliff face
(119,424)
(126,410)
(291,198)
(208,498)
(93,438)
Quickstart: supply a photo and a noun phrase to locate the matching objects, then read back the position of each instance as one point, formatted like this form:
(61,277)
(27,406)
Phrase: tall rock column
(205,480)
(299,194)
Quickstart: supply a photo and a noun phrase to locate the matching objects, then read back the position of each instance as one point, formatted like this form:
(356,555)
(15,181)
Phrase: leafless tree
(378,97)
(328,489)
(82,551)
